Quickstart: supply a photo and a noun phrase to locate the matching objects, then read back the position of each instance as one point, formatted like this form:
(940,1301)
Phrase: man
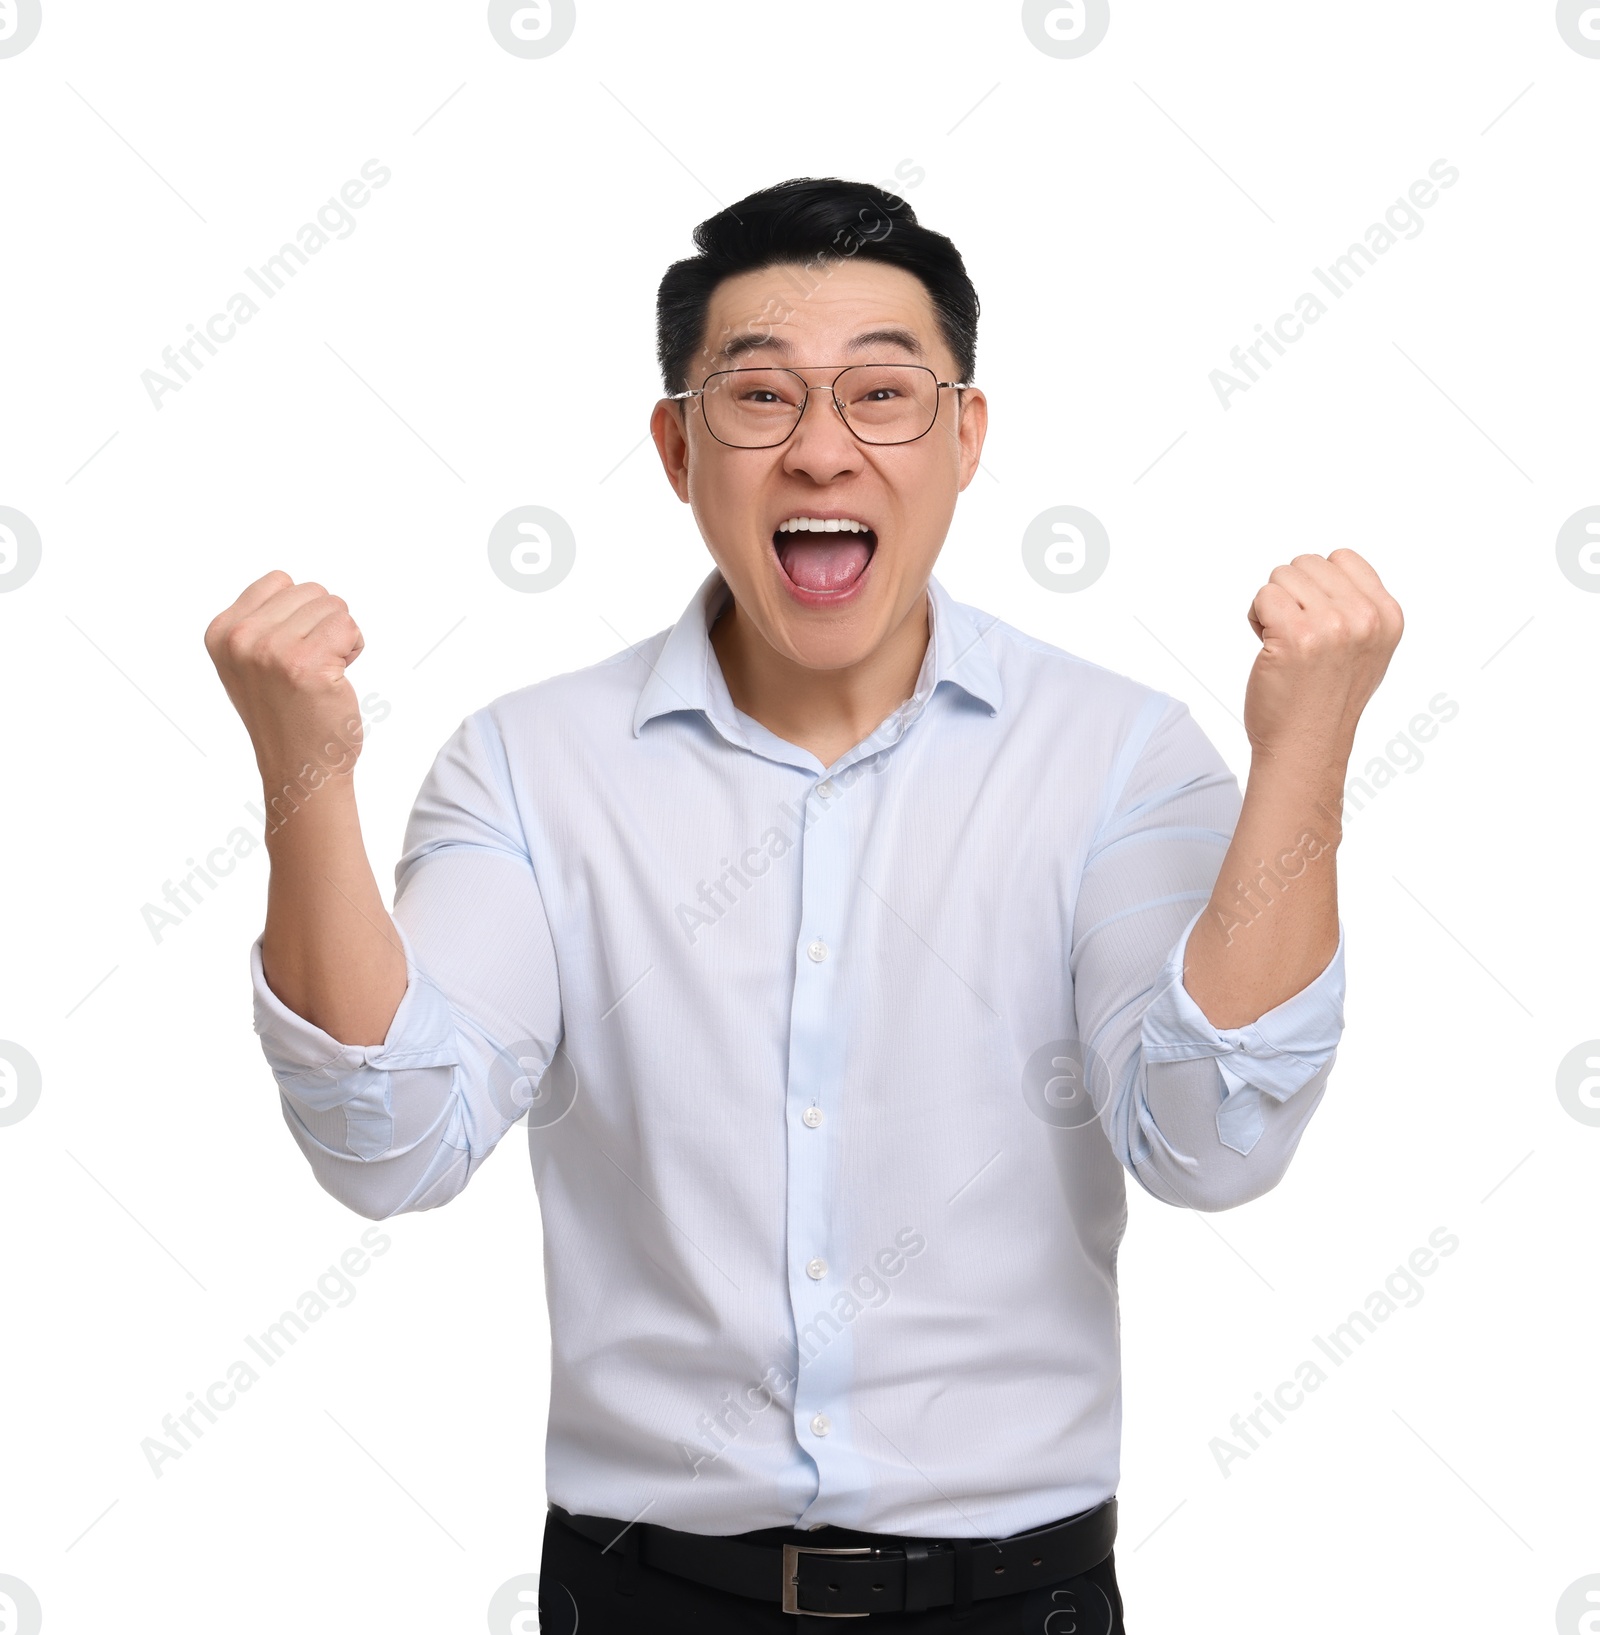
(844,946)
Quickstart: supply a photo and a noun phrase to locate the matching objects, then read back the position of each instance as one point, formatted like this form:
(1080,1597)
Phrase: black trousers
(584,1589)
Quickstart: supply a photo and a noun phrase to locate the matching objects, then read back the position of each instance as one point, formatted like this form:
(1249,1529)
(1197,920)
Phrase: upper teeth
(823,525)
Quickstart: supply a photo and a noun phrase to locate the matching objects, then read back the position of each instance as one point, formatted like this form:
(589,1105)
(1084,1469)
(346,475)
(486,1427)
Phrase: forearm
(1272,923)
(1328,629)
(329,951)
(1205,1110)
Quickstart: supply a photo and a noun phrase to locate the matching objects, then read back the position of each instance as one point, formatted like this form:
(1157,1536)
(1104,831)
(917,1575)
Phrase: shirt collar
(686,675)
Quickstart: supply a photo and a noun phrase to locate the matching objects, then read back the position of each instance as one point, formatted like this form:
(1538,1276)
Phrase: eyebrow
(889,335)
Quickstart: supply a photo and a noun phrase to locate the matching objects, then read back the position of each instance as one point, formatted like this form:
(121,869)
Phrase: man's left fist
(1328,629)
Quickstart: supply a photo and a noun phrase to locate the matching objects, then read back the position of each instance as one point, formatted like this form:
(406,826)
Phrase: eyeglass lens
(881,403)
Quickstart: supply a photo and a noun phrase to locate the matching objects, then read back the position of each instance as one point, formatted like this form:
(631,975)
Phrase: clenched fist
(1328,629)
(282,650)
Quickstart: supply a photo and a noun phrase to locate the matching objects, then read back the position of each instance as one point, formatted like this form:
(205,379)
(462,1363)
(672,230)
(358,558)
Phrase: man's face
(825,610)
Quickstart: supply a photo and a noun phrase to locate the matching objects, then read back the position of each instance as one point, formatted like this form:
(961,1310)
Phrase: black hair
(813,222)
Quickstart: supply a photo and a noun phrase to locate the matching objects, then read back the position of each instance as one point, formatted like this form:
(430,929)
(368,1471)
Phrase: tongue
(826,564)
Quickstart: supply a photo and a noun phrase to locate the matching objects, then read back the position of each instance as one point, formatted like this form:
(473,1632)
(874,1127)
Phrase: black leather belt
(880,1573)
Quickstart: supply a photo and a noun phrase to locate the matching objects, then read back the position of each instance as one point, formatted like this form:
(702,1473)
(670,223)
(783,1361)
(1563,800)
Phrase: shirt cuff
(315,1070)
(1275,1055)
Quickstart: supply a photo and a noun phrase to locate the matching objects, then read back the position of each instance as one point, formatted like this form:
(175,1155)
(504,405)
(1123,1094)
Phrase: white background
(1128,217)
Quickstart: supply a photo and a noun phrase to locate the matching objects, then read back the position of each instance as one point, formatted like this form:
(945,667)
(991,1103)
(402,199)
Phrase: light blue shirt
(832,1074)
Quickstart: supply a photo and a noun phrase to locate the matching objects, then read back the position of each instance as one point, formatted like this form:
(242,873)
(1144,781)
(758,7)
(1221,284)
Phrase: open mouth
(824,556)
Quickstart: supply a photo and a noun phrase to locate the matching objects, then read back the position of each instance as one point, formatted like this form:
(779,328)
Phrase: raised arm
(1208,960)
(404,1048)
(1328,629)
(329,950)
(1203,1117)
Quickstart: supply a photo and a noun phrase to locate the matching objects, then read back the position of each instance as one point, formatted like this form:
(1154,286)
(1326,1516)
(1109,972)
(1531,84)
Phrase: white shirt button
(818,951)
(825,788)
(811,1117)
(820,1424)
(817,1268)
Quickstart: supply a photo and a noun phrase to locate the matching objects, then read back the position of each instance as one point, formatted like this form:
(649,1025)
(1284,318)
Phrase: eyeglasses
(879,402)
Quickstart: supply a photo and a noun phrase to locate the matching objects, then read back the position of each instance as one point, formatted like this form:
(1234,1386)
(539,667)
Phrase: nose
(821,445)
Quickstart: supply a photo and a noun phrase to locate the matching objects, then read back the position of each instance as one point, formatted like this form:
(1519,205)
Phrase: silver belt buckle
(791,1571)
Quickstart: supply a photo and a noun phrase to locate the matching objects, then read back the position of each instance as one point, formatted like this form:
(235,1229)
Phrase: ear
(972,426)
(668,428)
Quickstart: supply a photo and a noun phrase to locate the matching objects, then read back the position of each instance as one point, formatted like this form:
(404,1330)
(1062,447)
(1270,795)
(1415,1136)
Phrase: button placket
(816,1066)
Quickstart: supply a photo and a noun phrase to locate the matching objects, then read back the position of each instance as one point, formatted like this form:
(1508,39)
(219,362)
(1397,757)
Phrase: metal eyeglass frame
(899,442)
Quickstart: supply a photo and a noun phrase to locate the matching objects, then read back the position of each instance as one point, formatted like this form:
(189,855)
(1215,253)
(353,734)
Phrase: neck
(824,711)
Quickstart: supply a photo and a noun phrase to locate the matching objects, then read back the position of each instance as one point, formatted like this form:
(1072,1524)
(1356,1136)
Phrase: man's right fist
(282,650)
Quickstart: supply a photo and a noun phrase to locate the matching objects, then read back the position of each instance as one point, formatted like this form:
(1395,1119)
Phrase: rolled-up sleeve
(404,1125)
(1203,1117)
(1274,1056)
